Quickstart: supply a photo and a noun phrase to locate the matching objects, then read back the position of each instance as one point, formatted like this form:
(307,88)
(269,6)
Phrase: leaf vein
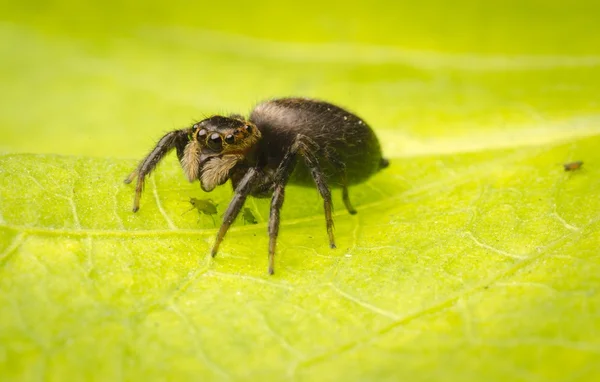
(162,211)
(364,304)
(194,335)
(434,308)
(470,235)
(11,248)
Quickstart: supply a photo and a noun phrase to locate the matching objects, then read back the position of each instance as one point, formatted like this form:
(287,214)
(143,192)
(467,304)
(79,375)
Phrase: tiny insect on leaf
(248,216)
(572,166)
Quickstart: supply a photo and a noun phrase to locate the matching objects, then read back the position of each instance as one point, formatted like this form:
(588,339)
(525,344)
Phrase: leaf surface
(473,257)
(489,255)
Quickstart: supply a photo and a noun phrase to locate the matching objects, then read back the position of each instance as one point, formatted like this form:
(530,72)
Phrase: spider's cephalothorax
(215,146)
(260,154)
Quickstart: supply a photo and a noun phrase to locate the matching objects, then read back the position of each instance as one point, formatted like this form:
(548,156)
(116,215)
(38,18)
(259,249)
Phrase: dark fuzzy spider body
(295,140)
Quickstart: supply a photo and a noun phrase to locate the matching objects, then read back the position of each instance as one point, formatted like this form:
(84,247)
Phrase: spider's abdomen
(342,137)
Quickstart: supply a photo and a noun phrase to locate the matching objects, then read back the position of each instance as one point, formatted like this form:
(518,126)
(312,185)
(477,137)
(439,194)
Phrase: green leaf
(473,257)
(490,256)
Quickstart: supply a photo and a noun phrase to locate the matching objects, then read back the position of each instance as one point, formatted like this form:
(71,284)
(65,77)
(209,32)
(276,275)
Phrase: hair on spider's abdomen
(341,136)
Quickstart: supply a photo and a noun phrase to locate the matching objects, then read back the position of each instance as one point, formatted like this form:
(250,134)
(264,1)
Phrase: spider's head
(216,145)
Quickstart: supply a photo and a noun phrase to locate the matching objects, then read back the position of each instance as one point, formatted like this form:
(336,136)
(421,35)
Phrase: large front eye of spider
(214,142)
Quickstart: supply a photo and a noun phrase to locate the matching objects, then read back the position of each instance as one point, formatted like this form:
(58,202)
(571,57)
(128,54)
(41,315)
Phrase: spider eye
(202,134)
(249,128)
(229,139)
(214,141)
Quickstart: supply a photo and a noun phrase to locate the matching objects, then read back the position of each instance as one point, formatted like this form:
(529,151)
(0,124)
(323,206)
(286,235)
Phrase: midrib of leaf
(547,135)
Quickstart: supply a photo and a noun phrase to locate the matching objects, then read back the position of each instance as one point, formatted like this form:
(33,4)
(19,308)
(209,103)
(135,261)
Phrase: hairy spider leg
(341,166)
(175,139)
(345,195)
(301,146)
(243,189)
(282,174)
(310,159)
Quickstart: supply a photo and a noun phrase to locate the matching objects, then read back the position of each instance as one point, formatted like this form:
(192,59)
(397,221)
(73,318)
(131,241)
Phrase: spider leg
(346,197)
(310,159)
(175,139)
(243,189)
(335,160)
(276,203)
(282,174)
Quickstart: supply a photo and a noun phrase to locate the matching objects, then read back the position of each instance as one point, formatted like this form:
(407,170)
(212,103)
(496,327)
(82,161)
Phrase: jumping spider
(260,154)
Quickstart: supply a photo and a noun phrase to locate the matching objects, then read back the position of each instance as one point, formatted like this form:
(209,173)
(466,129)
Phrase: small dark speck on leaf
(572,166)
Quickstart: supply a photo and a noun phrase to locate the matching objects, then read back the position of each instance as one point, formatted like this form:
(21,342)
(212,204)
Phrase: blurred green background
(473,257)
(107,78)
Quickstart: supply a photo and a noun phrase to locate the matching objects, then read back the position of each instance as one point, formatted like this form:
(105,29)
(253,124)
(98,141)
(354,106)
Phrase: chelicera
(290,140)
